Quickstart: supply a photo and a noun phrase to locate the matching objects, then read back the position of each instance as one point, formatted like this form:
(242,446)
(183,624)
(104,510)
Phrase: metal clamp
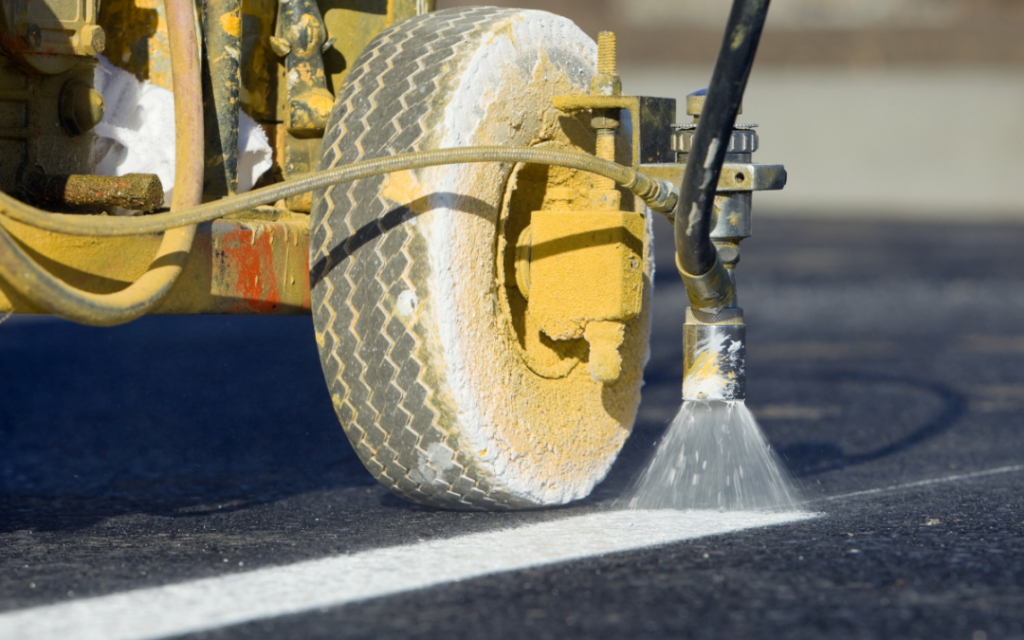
(741,141)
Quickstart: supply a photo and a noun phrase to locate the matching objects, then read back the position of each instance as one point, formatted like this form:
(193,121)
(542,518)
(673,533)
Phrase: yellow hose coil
(60,298)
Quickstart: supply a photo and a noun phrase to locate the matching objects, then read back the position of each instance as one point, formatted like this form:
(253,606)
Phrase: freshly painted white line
(217,602)
(924,483)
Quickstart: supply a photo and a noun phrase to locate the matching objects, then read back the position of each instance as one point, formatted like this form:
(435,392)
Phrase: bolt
(93,40)
(606,144)
(32,35)
(307,36)
(606,52)
(606,81)
(605,121)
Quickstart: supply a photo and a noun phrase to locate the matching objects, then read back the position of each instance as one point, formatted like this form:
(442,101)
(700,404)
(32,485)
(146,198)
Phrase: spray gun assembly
(710,225)
(469,224)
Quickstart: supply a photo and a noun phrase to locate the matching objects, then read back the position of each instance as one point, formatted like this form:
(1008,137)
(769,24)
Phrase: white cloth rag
(136,134)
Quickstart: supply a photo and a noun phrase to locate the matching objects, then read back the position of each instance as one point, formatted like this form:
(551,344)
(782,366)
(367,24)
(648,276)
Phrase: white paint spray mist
(714,456)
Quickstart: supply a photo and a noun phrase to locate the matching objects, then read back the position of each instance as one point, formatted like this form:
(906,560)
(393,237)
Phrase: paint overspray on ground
(714,456)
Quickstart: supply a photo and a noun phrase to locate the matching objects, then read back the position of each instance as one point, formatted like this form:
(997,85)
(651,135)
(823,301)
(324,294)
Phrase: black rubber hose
(696,254)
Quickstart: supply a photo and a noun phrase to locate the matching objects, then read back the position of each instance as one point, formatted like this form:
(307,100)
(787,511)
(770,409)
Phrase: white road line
(329,582)
(924,483)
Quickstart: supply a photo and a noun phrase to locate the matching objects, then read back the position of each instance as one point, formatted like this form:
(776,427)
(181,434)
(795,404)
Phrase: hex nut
(606,84)
(604,122)
(741,141)
(92,40)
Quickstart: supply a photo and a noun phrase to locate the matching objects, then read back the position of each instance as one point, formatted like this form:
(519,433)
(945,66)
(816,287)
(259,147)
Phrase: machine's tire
(412,329)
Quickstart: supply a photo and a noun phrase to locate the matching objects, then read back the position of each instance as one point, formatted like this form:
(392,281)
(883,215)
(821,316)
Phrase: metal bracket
(735,176)
(751,176)
(651,118)
(301,37)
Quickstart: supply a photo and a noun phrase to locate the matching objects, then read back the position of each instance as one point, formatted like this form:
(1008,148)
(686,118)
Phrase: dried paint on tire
(413,349)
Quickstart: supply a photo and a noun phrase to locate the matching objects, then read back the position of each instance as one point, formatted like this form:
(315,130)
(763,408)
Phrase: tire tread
(384,391)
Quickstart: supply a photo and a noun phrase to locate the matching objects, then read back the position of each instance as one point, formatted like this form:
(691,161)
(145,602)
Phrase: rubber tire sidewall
(416,354)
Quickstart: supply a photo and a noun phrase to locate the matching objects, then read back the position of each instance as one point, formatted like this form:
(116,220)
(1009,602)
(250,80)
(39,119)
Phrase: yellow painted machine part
(35,283)
(15,263)
(235,266)
(585,266)
(123,304)
(137,41)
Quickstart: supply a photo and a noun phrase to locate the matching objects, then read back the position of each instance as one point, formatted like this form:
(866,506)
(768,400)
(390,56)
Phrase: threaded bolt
(606,52)
(606,151)
(605,82)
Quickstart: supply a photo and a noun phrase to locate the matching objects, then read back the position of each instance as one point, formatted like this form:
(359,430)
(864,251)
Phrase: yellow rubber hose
(41,287)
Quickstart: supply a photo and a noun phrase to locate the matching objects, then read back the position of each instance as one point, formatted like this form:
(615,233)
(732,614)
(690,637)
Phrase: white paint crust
(500,70)
(330,582)
(711,383)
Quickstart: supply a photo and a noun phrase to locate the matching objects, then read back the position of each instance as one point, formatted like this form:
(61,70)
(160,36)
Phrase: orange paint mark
(248,263)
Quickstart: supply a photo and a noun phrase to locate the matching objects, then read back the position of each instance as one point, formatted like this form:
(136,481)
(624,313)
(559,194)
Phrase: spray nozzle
(714,355)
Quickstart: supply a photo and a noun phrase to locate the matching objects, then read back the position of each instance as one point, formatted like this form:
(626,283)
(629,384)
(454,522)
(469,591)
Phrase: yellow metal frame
(236,266)
(255,262)
(580,263)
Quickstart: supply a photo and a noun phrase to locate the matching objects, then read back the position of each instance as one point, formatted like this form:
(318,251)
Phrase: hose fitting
(711,292)
(660,195)
(714,355)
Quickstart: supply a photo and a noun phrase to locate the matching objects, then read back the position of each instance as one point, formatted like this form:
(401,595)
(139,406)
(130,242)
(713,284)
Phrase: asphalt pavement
(884,366)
